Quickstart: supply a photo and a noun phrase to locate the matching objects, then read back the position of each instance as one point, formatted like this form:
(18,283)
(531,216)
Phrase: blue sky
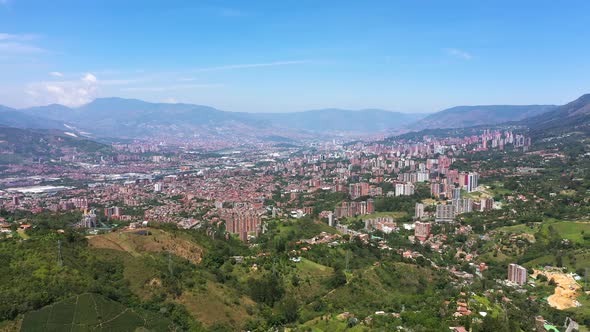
(293,55)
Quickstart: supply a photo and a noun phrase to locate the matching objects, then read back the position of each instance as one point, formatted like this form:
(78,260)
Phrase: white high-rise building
(404,189)
(517,274)
(445,213)
(472,181)
(419,211)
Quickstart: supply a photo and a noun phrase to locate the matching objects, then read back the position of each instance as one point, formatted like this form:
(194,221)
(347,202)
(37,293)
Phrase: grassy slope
(209,302)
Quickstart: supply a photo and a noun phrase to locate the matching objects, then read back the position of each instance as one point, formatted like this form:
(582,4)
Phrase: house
(458,329)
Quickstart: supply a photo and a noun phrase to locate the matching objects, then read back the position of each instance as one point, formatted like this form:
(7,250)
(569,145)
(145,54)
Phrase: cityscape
(128,204)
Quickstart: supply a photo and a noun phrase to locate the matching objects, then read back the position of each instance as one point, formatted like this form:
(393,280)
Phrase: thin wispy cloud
(56,74)
(19,48)
(457,53)
(18,44)
(172,87)
(122,81)
(18,37)
(253,65)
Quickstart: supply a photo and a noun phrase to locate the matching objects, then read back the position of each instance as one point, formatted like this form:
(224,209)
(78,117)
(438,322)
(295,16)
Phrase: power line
(60,261)
(347,260)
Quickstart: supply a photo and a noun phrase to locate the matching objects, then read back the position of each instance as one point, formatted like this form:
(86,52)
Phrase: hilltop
(571,117)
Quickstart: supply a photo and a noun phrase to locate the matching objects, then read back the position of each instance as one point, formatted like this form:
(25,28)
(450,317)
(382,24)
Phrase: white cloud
(69,93)
(56,74)
(17,37)
(89,78)
(459,53)
(19,48)
(253,65)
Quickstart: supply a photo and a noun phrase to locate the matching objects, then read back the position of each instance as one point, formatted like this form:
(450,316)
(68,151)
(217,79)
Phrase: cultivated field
(91,312)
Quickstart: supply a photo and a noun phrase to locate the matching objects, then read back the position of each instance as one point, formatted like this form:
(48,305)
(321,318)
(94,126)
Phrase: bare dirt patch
(566,292)
(157,241)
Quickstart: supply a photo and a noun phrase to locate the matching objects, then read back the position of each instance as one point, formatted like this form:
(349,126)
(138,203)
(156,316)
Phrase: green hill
(20,145)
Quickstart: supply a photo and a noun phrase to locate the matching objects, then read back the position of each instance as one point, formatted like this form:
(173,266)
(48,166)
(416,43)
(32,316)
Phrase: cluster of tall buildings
(384,224)
(484,204)
(455,181)
(413,177)
(113,212)
(80,203)
(352,209)
(361,189)
(241,222)
(448,212)
(88,220)
(497,139)
(404,189)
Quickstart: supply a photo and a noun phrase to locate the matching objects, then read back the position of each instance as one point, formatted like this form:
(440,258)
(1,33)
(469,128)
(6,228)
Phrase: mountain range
(131,118)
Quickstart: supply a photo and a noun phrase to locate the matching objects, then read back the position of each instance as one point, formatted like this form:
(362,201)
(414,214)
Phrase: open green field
(312,268)
(581,260)
(497,188)
(571,230)
(519,229)
(304,228)
(91,312)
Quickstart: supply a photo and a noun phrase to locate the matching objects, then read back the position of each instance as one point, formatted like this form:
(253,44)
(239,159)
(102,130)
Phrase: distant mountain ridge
(131,118)
(470,116)
(336,119)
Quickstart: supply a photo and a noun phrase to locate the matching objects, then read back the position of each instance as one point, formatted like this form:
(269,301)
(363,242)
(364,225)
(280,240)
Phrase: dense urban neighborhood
(475,229)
